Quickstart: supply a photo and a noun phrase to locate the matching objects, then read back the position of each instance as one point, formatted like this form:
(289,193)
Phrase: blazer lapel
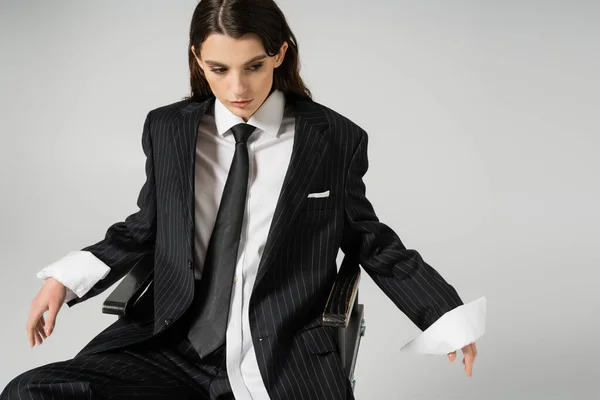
(185,136)
(310,143)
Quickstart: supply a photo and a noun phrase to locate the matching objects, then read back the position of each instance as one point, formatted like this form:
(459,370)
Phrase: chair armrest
(338,309)
(130,291)
(343,294)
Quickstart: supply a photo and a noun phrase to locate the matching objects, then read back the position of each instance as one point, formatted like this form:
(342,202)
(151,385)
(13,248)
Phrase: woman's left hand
(470,352)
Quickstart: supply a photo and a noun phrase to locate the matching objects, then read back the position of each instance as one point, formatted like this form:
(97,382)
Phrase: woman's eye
(220,71)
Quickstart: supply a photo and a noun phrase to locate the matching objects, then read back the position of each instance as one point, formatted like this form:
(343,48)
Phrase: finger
(40,329)
(34,315)
(452,356)
(52,311)
(38,338)
(473,351)
(40,332)
(468,360)
(41,323)
(473,355)
(30,339)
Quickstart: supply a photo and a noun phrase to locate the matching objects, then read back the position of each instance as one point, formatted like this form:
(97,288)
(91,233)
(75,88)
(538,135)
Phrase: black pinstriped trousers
(165,366)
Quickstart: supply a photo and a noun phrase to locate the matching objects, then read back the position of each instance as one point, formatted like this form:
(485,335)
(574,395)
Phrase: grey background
(483,125)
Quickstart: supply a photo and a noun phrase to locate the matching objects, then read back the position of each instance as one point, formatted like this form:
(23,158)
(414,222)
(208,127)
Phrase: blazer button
(168,321)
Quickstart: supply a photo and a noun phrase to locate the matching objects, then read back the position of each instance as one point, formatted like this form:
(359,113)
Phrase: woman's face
(238,70)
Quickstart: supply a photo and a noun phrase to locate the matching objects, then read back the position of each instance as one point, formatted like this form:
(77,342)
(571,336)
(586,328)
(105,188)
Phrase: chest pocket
(319,200)
(325,189)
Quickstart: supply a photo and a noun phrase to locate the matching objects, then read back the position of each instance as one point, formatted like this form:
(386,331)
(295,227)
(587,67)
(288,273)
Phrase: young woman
(251,189)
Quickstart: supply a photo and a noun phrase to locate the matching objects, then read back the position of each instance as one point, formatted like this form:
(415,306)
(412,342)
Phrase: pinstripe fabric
(414,286)
(166,366)
(296,355)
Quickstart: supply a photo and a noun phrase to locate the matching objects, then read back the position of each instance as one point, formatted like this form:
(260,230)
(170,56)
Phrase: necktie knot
(242,132)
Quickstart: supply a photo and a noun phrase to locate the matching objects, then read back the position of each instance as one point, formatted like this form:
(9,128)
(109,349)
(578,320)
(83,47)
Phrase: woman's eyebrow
(253,59)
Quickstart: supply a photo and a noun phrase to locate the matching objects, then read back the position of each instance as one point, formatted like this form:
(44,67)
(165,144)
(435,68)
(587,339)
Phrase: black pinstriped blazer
(296,355)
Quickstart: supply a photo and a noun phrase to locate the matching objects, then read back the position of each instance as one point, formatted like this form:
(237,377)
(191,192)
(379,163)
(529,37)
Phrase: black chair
(342,310)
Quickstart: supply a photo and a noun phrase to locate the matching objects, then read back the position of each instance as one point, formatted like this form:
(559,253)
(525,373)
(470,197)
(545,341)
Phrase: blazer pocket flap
(320,339)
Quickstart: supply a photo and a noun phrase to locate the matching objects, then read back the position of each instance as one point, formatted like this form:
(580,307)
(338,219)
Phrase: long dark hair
(236,18)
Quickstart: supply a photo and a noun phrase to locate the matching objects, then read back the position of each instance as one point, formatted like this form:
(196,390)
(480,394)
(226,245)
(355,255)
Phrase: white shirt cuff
(452,331)
(78,271)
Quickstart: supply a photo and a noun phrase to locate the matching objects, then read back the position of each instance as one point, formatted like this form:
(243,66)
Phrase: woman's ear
(281,54)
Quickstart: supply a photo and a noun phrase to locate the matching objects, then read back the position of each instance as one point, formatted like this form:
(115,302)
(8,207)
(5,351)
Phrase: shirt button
(190,264)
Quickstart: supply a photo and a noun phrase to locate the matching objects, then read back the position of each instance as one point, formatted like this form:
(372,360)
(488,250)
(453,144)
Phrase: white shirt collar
(267,118)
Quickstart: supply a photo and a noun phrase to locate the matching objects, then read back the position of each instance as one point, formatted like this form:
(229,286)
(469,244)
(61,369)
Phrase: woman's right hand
(50,298)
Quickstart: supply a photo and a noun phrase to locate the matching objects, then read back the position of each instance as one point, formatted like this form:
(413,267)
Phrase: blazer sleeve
(417,289)
(131,241)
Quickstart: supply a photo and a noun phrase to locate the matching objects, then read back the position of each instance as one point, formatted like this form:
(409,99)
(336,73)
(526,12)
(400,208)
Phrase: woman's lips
(240,104)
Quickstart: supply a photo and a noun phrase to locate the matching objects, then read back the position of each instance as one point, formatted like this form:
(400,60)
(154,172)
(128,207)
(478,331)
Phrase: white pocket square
(322,194)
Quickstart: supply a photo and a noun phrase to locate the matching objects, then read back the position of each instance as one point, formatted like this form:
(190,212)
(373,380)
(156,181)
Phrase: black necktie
(212,300)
